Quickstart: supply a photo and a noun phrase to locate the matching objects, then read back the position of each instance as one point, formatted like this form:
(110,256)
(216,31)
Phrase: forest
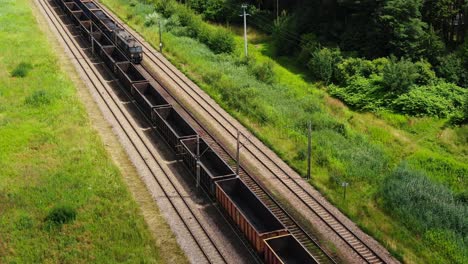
(409,57)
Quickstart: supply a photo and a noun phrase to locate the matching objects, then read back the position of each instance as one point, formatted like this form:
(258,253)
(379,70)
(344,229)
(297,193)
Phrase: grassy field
(62,199)
(408,176)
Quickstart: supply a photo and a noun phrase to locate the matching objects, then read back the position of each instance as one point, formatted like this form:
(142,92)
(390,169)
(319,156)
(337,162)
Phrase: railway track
(207,247)
(262,155)
(299,232)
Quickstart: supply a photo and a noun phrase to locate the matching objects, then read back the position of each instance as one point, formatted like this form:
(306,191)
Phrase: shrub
(323,64)
(21,70)
(354,66)
(360,93)
(399,76)
(60,215)
(262,71)
(440,100)
(452,69)
(220,40)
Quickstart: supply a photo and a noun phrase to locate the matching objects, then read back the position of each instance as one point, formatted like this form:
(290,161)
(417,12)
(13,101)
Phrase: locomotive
(124,41)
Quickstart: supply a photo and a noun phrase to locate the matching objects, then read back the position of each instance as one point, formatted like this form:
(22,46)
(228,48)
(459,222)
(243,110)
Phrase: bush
(220,40)
(360,93)
(262,71)
(399,76)
(21,70)
(60,215)
(453,70)
(439,100)
(323,64)
(351,67)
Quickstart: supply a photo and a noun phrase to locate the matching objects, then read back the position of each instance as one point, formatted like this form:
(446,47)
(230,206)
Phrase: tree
(402,22)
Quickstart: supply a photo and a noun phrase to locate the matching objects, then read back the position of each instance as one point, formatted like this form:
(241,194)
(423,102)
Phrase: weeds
(60,215)
(38,98)
(21,70)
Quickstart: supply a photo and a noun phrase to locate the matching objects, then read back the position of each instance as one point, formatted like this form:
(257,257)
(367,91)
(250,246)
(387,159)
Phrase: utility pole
(238,153)
(160,37)
(198,162)
(244,7)
(309,149)
(277,12)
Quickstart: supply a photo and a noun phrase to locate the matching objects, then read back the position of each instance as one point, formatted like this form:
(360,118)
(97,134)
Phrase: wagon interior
(248,203)
(102,39)
(213,164)
(80,16)
(132,73)
(177,123)
(289,250)
(71,6)
(150,93)
(114,53)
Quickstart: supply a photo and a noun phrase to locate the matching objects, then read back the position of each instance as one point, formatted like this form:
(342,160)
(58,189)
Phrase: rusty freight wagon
(111,56)
(78,16)
(128,74)
(63,3)
(286,250)
(172,126)
(70,7)
(252,217)
(148,98)
(212,167)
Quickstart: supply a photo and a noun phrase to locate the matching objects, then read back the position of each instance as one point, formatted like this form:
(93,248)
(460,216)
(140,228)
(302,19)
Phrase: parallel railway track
(196,230)
(257,151)
(296,229)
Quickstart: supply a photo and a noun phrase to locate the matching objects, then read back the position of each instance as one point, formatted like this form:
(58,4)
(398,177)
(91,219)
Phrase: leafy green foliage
(452,69)
(182,21)
(440,100)
(323,64)
(399,76)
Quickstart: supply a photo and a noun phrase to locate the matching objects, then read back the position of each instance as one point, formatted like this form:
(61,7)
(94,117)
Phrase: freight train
(266,234)
(122,39)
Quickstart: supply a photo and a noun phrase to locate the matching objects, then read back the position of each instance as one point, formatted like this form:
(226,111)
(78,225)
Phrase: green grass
(62,200)
(361,148)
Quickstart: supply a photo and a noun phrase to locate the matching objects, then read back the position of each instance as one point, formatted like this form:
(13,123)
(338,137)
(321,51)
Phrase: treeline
(426,38)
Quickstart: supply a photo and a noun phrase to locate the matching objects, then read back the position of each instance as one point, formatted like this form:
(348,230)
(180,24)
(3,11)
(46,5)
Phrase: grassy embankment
(407,175)
(62,200)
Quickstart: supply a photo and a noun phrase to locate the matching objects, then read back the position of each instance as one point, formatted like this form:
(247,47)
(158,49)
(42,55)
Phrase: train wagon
(212,167)
(70,7)
(148,98)
(252,217)
(128,74)
(122,39)
(63,3)
(286,250)
(78,16)
(172,126)
(111,56)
